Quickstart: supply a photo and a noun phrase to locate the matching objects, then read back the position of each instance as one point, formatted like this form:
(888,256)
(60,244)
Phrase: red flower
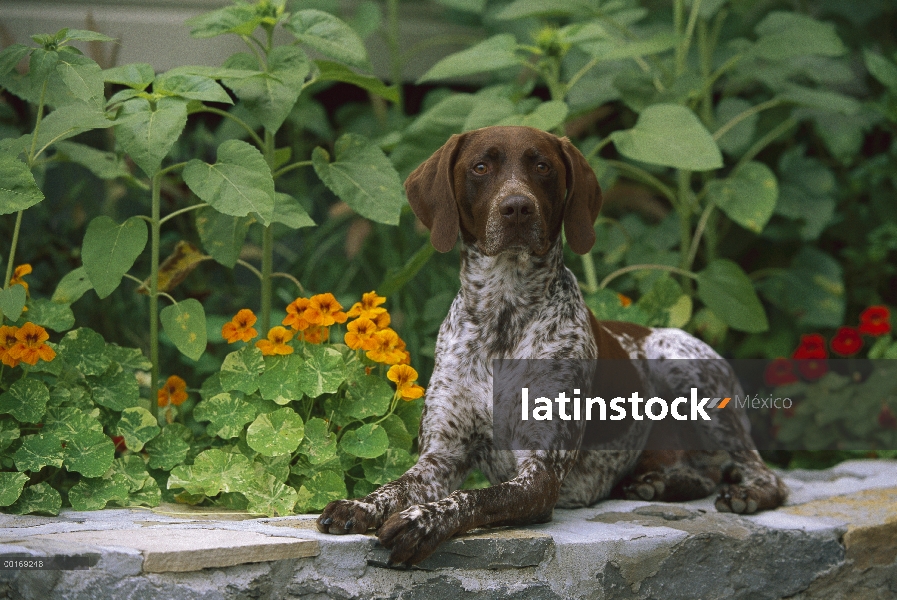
(811,346)
(847,341)
(886,418)
(812,369)
(875,320)
(779,372)
(119,442)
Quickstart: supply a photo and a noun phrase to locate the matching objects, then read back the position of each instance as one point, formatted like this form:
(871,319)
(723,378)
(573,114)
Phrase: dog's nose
(517,209)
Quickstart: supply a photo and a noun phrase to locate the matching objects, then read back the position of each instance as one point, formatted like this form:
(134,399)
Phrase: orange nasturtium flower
(369,307)
(276,342)
(19,274)
(360,334)
(390,348)
(296,314)
(404,377)
(316,334)
(240,328)
(324,310)
(7,341)
(173,392)
(30,344)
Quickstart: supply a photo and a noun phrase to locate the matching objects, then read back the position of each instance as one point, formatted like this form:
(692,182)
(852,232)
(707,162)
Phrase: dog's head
(506,188)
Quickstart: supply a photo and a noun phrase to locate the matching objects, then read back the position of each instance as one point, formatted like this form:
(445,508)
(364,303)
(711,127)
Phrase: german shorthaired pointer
(508,191)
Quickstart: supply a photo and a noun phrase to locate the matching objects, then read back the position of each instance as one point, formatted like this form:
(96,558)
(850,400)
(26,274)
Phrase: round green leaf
(728,292)
(227,413)
(26,400)
(185,324)
(280,381)
(168,449)
(90,452)
(241,369)
(672,136)
(11,485)
(748,196)
(367,396)
(138,426)
(319,489)
(318,446)
(84,349)
(323,372)
(116,388)
(110,250)
(40,499)
(267,496)
(49,314)
(368,441)
(493,54)
(94,494)
(276,433)
(212,472)
(387,467)
(38,451)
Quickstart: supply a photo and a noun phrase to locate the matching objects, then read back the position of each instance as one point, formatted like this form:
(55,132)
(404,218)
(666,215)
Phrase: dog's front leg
(414,533)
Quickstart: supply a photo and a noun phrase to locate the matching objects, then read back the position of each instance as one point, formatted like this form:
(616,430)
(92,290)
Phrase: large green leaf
(240,370)
(69,121)
(363,177)
(238,184)
(116,388)
(39,498)
(18,189)
(241,19)
(95,493)
(190,86)
(84,349)
(387,467)
(185,324)
(212,472)
(785,35)
(748,196)
(268,496)
(882,69)
(546,116)
(367,396)
(737,139)
(493,54)
(368,441)
(26,400)
(37,451)
(726,290)
(148,131)
(52,315)
(67,422)
(138,426)
(134,75)
(72,286)
(276,433)
(323,372)
(90,452)
(319,489)
(169,448)
(522,9)
(12,301)
(222,235)
(334,71)
(227,414)
(280,381)
(288,211)
(11,485)
(105,165)
(319,445)
(110,250)
(328,35)
(669,135)
(81,76)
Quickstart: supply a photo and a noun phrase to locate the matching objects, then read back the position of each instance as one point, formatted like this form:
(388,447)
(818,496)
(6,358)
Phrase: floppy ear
(583,200)
(431,194)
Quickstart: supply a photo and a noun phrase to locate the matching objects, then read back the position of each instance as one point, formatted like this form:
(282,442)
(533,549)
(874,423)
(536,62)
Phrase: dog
(507,193)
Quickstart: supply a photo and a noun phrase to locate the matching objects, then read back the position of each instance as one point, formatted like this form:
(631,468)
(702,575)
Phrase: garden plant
(747,153)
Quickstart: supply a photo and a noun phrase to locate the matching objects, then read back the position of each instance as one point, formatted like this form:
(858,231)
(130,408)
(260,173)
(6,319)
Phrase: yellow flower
(296,314)
(404,377)
(7,341)
(369,307)
(324,310)
(625,300)
(240,328)
(173,392)
(390,348)
(316,334)
(19,274)
(276,342)
(360,334)
(30,345)
(382,320)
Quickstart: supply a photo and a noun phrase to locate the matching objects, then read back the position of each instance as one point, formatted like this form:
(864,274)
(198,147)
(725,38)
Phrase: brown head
(506,188)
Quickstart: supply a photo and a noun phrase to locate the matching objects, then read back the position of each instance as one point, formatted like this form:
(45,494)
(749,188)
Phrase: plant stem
(644,176)
(252,134)
(395,56)
(182,211)
(288,168)
(684,207)
(699,231)
(155,229)
(767,139)
(12,249)
(744,115)
(267,244)
(630,268)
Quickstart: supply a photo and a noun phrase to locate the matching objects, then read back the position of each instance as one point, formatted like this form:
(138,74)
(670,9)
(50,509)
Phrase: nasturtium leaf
(276,433)
(138,426)
(288,211)
(227,414)
(397,432)
(268,496)
(26,400)
(329,35)
(128,358)
(222,235)
(726,290)
(192,87)
(492,54)
(18,189)
(148,495)
(318,446)
(787,34)
(279,466)
(132,468)
(169,448)
(387,467)
(105,165)
(9,432)
(363,177)
(334,71)
(748,196)
(110,250)
(84,349)
(147,132)
(116,388)
(280,381)
(238,184)
(212,472)
(12,302)
(367,396)
(90,452)
(11,485)
(368,441)
(319,489)
(410,413)
(241,369)
(669,135)
(135,75)
(65,422)
(322,372)
(96,493)
(52,315)
(40,499)
(185,324)
(37,451)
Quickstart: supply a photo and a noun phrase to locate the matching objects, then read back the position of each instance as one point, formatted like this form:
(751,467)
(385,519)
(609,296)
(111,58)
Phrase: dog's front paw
(737,499)
(348,516)
(647,486)
(413,534)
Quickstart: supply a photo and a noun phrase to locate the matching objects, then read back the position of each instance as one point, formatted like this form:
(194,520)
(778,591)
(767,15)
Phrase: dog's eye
(480,168)
(542,168)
